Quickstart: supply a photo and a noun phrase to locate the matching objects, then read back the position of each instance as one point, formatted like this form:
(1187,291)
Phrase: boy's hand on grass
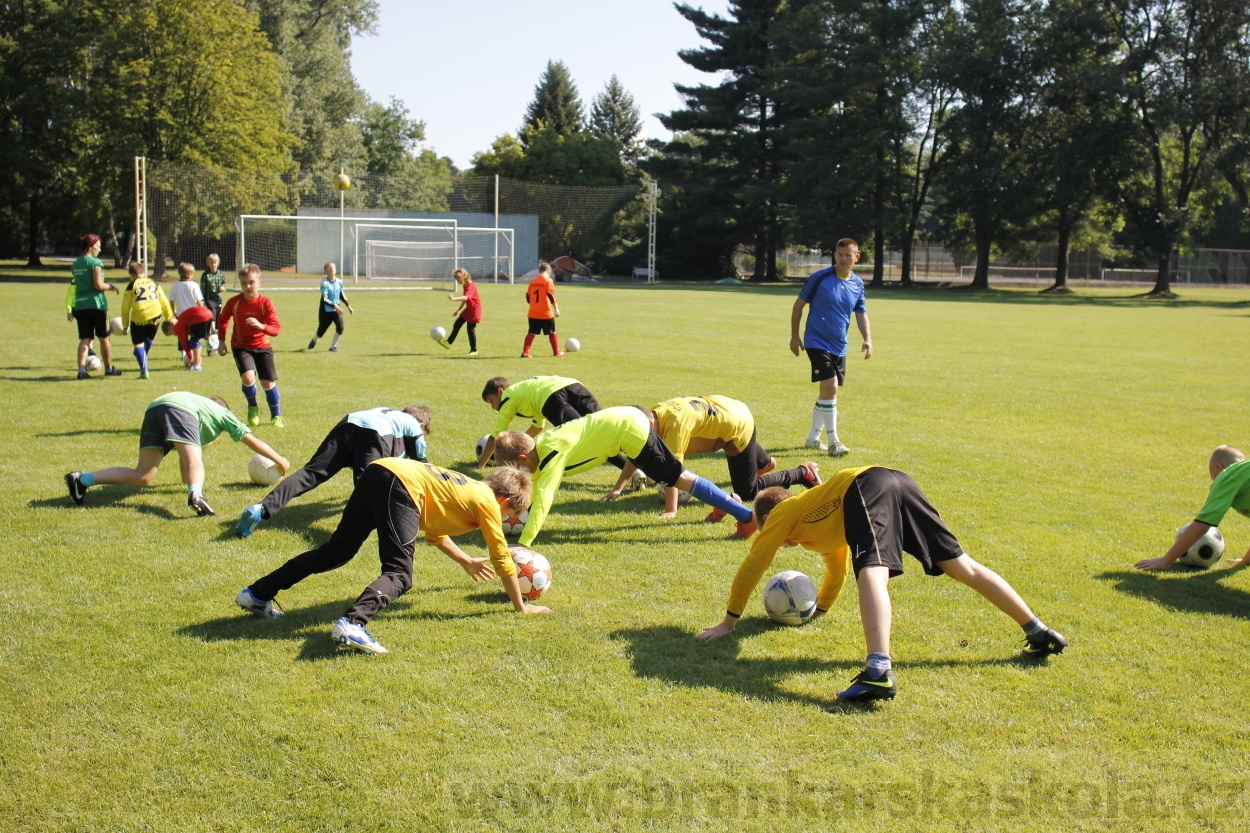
(479,569)
(1161,563)
(664,516)
(535,609)
(611,496)
(725,628)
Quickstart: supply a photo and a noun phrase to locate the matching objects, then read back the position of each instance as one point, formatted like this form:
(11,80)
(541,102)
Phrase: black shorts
(92,323)
(542,326)
(825,365)
(658,462)
(887,515)
(164,425)
(198,332)
(327,317)
(140,333)
(214,304)
(259,361)
(569,403)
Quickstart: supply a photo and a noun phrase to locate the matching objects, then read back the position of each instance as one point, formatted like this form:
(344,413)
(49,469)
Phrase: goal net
(302,245)
(425,253)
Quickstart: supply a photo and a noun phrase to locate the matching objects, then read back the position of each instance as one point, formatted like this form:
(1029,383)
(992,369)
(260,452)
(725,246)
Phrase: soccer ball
(481,446)
(116,326)
(263,471)
(682,494)
(790,598)
(342,182)
(533,571)
(438,333)
(1205,551)
(514,525)
(213,342)
(572,345)
(93,363)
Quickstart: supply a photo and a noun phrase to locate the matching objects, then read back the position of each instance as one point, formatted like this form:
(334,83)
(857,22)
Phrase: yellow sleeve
(71,295)
(128,300)
(763,550)
(491,525)
(837,564)
(677,438)
(544,495)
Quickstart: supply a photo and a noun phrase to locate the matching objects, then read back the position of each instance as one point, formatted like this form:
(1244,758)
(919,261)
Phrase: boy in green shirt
(1230,470)
(211,283)
(182,421)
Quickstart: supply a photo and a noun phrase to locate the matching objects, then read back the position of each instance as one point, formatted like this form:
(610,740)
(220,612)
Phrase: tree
(545,156)
(556,104)
(615,115)
(389,137)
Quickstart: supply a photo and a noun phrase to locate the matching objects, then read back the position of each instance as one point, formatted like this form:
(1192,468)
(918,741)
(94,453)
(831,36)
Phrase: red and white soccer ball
(533,572)
(514,525)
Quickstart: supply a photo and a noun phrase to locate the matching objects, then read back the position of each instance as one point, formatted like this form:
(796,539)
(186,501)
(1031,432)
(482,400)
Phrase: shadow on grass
(1200,592)
(113,496)
(92,432)
(297,519)
(67,377)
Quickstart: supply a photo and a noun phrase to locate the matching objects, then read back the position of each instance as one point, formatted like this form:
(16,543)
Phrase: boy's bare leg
(140,475)
(990,585)
(875,609)
(191,464)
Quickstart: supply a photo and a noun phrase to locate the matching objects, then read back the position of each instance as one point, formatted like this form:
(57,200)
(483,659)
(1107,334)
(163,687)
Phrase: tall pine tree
(556,103)
(615,115)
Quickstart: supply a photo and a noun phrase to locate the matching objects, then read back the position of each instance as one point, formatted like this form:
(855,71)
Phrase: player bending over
(555,398)
(328,311)
(400,499)
(1230,470)
(183,421)
(584,444)
(144,306)
(870,516)
(357,440)
(703,424)
(255,321)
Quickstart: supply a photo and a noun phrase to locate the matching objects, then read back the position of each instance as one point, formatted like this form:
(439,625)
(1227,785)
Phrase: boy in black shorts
(144,306)
(256,321)
(866,518)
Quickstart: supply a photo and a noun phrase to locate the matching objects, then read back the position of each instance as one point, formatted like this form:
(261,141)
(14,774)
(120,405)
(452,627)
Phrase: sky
(468,69)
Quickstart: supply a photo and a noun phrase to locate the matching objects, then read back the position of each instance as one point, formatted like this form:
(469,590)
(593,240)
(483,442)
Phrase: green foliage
(544,155)
(614,115)
(556,104)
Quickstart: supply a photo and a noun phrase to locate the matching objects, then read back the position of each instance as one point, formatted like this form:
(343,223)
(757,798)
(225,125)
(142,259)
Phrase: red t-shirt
(189,317)
(472,304)
(245,337)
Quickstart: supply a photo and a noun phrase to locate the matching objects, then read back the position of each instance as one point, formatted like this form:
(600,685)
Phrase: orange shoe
(772,464)
(745,530)
(811,474)
(715,516)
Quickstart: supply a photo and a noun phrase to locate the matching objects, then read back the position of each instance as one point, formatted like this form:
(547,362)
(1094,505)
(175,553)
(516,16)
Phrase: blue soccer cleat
(248,521)
(867,687)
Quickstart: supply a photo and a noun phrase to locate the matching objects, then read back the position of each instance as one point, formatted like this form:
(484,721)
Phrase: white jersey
(184,295)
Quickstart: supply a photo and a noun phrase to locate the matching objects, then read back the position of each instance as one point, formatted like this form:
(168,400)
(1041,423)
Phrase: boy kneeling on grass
(400,498)
(869,517)
(1230,472)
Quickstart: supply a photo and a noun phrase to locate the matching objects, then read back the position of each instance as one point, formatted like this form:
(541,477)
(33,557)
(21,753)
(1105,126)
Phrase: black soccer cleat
(866,687)
(77,491)
(199,504)
(1044,644)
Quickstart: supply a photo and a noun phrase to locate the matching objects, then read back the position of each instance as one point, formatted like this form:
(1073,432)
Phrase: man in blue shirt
(358,439)
(328,311)
(833,293)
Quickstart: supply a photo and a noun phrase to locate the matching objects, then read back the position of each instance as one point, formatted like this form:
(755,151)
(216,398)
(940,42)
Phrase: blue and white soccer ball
(790,598)
(1205,551)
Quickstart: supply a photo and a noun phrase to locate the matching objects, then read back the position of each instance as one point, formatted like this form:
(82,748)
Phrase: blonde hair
(512,483)
(462,273)
(213,258)
(248,270)
(185,270)
(510,445)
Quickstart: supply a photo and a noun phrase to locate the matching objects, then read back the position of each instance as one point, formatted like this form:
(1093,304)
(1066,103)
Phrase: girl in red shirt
(469,312)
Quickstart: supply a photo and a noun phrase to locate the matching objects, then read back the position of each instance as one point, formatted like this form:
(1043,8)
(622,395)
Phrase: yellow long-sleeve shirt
(813,520)
(144,302)
(698,424)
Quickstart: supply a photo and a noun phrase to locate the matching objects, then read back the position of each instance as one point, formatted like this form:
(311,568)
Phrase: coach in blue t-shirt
(834,293)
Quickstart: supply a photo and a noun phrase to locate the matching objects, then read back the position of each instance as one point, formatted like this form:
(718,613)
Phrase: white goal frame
(508,235)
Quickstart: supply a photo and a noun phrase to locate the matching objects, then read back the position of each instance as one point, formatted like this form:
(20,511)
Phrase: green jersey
(526,399)
(211,284)
(1231,490)
(85,295)
(578,446)
(214,419)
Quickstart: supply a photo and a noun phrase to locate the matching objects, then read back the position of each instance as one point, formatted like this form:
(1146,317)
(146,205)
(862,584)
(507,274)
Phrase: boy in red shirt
(469,312)
(544,310)
(256,321)
(193,325)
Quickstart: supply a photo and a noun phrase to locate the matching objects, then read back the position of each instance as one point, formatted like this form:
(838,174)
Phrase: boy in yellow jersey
(703,424)
(584,444)
(400,499)
(144,306)
(556,398)
(866,518)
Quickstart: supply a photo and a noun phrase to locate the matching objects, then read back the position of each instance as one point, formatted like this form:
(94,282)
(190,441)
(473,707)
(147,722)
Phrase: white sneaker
(254,606)
(355,636)
(638,481)
(838,449)
(816,443)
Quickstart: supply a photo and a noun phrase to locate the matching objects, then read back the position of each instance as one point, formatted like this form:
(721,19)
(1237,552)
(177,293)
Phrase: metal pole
(651,234)
(497,228)
(342,195)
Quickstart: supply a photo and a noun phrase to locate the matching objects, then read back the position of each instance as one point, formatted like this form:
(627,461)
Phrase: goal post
(411,252)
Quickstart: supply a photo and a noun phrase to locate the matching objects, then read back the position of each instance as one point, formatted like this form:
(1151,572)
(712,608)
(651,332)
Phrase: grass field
(1062,438)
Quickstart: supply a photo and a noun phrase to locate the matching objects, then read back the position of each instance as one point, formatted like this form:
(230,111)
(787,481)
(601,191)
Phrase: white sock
(818,422)
(334,342)
(831,421)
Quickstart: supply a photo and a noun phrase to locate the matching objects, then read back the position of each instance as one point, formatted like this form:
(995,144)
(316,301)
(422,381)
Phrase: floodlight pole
(496,261)
(342,194)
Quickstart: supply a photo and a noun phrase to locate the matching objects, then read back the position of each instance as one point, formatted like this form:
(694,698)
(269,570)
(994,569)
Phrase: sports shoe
(1038,645)
(745,530)
(472,352)
(277,422)
(355,636)
(248,521)
(811,475)
(444,343)
(312,345)
(838,449)
(558,355)
(866,687)
(253,415)
(197,368)
(77,491)
(254,606)
(715,516)
(83,374)
(638,481)
(817,444)
(112,371)
(772,464)
(525,355)
(143,374)
(197,502)
(334,349)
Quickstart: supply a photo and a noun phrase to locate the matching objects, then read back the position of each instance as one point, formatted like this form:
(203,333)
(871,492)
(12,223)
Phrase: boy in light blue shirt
(328,311)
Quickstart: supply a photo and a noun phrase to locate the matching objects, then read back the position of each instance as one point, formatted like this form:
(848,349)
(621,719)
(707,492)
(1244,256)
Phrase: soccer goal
(1143,275)
(425,253)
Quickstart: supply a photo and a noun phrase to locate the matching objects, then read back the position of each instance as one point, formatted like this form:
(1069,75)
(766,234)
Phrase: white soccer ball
(514,525)
(116,327)
(790,598)
(533,572)
(263,471)
(213,342)
(572,345)
(682,494)
(438,333)
(1205,551)
(93,363)
(481,446)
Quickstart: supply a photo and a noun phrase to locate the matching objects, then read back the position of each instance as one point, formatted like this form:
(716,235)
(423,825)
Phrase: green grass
(1061,438)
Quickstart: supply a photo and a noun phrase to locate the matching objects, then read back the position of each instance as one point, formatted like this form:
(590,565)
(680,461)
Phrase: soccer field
(1062,439)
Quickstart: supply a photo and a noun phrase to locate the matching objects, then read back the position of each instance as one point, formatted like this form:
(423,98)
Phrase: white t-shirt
(184,295)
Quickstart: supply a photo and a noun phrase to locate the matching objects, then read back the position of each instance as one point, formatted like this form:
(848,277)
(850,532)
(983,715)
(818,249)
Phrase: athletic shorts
(259,361)
(92,323)
(569,403)
(198,332)
(164,425)
(825,365)
(214,304)
(326,317)
(658,462)
(542,326)
(887,515)
(140,333)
